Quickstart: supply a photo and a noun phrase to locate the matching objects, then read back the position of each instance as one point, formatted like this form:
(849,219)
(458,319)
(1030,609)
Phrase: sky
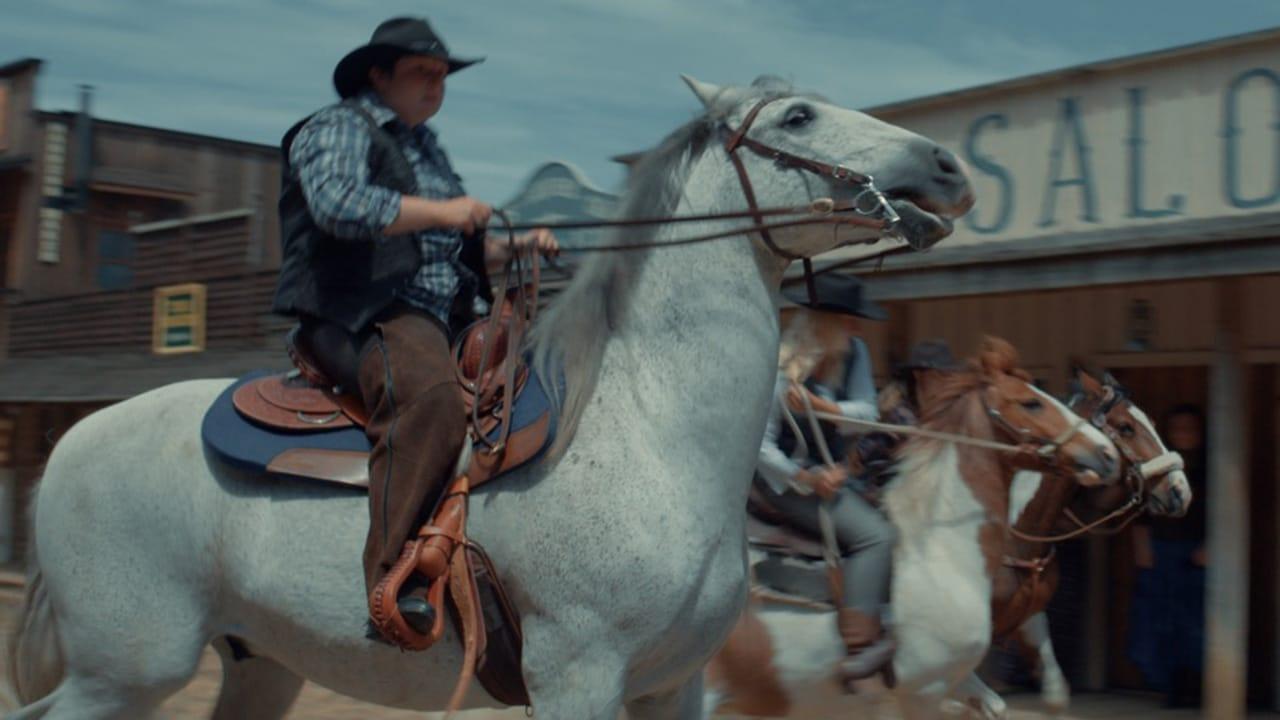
(572,80)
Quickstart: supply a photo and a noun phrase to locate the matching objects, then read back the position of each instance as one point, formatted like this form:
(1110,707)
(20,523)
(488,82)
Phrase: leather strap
(755,209)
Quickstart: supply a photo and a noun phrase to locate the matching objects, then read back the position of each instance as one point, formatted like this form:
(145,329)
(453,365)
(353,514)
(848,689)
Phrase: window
(115,257)
(177,324)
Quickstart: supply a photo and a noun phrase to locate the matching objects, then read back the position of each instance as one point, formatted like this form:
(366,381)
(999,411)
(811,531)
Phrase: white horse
(624,553)
(949,505)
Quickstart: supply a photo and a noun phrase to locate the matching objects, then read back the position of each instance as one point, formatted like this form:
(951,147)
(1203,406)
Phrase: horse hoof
(1056,696)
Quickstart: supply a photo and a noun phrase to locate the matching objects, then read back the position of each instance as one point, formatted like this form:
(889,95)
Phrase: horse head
(794,148)
(1027,415)
(1152,472)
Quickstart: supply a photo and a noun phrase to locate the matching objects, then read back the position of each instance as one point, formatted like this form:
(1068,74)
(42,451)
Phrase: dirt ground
(316,703)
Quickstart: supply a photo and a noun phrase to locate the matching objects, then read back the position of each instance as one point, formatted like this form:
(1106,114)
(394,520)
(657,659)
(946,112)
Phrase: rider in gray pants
(822,359)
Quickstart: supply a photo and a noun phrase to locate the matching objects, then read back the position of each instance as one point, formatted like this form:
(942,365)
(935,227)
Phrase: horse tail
(35,658)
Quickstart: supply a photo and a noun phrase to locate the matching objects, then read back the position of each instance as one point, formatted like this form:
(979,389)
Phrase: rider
(899,404)
(823,362)
(384,261)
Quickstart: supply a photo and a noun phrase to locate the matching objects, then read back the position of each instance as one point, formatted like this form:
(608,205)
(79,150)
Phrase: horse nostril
(1110,461)
(947,161)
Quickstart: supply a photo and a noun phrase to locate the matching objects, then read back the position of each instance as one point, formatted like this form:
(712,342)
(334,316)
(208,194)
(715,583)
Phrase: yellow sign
(177,323)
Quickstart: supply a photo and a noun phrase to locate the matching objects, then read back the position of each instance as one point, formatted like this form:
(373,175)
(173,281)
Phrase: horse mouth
(1171,507)
(924,222)
(1088,477)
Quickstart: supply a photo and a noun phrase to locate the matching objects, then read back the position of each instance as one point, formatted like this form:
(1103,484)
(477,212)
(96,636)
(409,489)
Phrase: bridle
(1046,447)
(1138,473)
(1137,476)
(868,201)
(869,207)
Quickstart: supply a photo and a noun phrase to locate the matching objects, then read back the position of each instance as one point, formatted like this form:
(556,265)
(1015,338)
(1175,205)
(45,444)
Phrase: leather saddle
(304,402)
(791,568)
(300,424)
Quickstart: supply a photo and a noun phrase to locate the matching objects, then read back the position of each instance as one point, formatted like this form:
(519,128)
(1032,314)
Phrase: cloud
(578,80)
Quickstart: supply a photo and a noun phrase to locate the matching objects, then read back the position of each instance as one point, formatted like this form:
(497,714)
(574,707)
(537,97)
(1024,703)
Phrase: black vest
(349,282)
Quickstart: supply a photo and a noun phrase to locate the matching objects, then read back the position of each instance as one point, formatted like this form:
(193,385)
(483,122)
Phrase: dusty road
(197,699)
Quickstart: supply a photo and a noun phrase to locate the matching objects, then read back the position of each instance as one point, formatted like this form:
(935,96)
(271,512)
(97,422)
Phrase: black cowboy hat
(409,36)
(930,355)
(842,294)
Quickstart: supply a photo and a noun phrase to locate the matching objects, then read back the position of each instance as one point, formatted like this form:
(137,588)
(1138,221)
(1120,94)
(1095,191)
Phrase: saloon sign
(1152,140)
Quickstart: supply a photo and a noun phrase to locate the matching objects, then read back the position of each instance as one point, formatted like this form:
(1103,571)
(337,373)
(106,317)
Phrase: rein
(1137,473)
(869,207)
(823,211)
(921,432)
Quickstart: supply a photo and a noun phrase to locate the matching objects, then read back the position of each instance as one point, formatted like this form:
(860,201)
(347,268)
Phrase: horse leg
(923,704)
(125,647)
(128,686)
(253,687)
(568,681)
(684,703)
(1055,692)
(975,695)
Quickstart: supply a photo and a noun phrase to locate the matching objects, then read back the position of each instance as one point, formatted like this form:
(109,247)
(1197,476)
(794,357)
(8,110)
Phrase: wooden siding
(1052,327)
(237,316)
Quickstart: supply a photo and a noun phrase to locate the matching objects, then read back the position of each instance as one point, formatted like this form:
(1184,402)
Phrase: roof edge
(1186,51)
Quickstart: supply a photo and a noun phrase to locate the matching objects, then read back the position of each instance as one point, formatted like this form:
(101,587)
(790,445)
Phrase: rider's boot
(870,649)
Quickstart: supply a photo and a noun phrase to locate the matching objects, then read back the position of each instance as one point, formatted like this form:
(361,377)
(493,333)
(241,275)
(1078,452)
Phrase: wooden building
(97,220)
(133,257)
(1128,214)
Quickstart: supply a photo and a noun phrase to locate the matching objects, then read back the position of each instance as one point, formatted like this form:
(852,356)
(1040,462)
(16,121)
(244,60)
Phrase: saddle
(792,570)
(301,424)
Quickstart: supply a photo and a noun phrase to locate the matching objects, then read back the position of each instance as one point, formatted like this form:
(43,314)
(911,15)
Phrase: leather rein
(869,207)
(1138,473)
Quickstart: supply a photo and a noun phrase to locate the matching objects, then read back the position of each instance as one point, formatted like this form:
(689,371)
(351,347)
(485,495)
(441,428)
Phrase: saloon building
(1129,215)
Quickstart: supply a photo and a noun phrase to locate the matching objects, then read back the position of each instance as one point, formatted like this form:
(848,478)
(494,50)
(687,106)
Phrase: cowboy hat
(841,294)
(408,36)
(929,355)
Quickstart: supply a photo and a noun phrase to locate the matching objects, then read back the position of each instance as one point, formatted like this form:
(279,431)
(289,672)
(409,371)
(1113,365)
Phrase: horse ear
(1078,367)
(996,356)
(1109,380)
(705,92)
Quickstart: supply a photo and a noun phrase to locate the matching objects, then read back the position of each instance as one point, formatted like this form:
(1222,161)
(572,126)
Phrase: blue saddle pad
(245,444)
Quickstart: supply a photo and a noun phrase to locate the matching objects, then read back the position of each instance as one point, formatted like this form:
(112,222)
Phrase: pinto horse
(1154,483)
(949,503)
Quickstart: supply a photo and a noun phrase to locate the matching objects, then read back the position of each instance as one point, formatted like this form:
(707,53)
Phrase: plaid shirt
(330,155)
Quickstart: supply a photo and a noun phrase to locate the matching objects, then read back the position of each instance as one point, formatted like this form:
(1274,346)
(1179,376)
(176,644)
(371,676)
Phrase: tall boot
(870,650)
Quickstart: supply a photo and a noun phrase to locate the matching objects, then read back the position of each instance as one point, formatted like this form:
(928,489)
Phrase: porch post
(1227,586)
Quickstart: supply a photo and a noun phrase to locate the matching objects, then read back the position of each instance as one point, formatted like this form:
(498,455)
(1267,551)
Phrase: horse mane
(568,340)
(925,465)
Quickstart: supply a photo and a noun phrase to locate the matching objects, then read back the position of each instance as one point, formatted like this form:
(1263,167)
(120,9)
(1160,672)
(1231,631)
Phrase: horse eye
(797,117)
(1033,405)
(1127,430)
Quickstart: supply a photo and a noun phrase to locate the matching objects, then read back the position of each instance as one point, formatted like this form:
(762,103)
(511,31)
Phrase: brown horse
(949,503)
(1154,483)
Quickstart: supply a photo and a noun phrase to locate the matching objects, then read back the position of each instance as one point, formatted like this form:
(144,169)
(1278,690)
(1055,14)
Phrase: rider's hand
(541,240)
(465,213)
(498,245)
(826,482)
(795,401)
